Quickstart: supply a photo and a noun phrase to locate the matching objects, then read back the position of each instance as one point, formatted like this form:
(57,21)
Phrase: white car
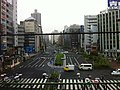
(116,72)
(66,52)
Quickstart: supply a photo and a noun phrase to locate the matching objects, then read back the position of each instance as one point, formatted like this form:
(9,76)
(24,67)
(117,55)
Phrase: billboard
(113,3)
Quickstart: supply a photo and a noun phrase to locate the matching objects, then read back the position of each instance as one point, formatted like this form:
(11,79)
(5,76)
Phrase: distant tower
(37,16)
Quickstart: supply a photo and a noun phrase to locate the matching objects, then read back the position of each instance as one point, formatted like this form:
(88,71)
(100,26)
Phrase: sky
(55,14)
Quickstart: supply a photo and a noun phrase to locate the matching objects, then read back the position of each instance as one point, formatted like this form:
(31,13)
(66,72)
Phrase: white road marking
(71,61)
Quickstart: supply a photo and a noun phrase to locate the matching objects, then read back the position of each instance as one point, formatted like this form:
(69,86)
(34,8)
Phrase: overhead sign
(113,3)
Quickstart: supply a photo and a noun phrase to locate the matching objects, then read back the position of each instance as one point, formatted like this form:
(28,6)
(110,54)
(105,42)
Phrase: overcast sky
(55,14)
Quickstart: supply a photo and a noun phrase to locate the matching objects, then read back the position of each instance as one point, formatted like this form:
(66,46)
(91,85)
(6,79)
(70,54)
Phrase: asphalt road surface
(34,68)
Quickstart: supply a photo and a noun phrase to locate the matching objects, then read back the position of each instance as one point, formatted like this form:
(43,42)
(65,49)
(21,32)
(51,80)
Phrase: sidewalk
(115,64)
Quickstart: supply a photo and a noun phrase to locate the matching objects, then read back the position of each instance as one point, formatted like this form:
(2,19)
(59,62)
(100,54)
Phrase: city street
(32,72)
(35,67)
(95,73)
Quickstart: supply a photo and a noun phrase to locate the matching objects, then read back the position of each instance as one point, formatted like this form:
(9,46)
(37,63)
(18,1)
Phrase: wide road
(33,68)
(76,60)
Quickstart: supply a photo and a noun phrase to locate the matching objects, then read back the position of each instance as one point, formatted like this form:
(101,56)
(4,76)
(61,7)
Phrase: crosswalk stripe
(101,85)
(24,80)
(40,82)
(118,87)
(71,86)
(58,86)
(37,81)
(44,82)
(93,86)
(34,82)
(75,85)
(17,86)
(27,80)
(20,80)
(25,86)
(11,82)
(108,85)
(67,86)
(31,80)
(64,86)
(79,86)
(112,85)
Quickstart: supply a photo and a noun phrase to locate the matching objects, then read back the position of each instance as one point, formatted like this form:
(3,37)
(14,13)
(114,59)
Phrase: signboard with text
(113,3)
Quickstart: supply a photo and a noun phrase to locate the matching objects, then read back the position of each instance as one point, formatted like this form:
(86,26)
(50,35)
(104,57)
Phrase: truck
(69,68)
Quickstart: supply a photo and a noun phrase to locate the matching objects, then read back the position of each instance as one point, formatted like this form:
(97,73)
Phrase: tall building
(15,22)
(74,37)
(72,41)
(89,20)
(108,21)
(32,42)
(37,16)
(8,21)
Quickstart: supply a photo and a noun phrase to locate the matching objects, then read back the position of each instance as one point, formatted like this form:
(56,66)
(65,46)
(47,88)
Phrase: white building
(89,20)
(109,21)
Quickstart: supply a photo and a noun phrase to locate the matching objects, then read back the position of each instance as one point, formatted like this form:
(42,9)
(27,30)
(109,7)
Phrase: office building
(109,21)
(32,42)
(89,20)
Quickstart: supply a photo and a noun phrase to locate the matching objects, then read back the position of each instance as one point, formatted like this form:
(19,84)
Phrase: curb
(50,65)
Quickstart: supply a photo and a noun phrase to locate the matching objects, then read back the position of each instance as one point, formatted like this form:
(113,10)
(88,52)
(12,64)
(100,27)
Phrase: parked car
(116,72)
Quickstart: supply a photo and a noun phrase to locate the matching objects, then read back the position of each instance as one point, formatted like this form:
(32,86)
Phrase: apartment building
(8,23)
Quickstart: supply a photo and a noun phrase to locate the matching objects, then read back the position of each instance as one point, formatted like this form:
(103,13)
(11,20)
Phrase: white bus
(85,67)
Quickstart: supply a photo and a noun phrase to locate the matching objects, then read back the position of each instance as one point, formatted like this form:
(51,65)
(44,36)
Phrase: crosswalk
(63,84)
(79,86)
(24,83)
